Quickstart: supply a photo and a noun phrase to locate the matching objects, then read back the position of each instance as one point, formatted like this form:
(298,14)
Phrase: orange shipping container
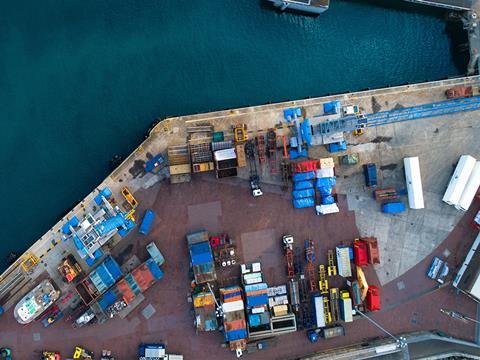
(126,291)
(235,325)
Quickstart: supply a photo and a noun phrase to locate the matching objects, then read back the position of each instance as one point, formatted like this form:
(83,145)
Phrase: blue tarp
(236,335)
(104,275)
(328,200)
(201,253)
(303,203)
(299,194)
(110,224)
(336,147)
(306,131)
(73,222)
(289,113)
(332,107)
(106,192)
(113,268)
(325,190)
(294,154)
(96,255)
(254,320)
(154,269)
(393,207)
(302,185)
(327,181)
(309,175)
(107,299)
(147,222)
(257,300)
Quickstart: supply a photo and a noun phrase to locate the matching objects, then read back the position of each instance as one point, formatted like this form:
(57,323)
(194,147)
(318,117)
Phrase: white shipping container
(319,313)
(346,309)
(343,261)
(459,179)
(470,189)
(414,182)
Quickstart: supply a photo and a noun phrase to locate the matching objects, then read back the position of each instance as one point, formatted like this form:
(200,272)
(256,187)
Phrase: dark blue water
(81,81)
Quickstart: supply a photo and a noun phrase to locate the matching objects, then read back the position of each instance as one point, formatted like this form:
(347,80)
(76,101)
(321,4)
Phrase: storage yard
(268,232)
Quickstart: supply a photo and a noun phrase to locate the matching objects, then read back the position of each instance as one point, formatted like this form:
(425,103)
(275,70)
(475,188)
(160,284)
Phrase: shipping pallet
(290,263)
(323,282)
(326,311)
(298,261)
(332,269)
(260,145)
(272,151)
(285,174)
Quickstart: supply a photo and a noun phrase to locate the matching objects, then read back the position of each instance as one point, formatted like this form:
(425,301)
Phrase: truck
(370,173)
(350,110)
(434,268)
(255,186)
(459,92)
(393,207)
(147,222)
(155,352)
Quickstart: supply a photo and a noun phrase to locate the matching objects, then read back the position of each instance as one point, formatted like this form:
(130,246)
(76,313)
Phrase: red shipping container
(235,325)
(305,166)
(373,298)
(360,253)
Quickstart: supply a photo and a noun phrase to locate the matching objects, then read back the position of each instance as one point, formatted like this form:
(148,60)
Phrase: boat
(36,302)
(310,6)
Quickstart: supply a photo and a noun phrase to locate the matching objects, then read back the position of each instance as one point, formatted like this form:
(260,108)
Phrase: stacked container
(234,324)
(303,191)
(325,184)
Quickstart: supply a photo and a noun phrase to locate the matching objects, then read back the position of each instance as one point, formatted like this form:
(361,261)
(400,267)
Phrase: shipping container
(370,173)
(318,311)
(346,309)
(155,253)
(356,293)
(360,253)
(470,189)
(414,182)
(180,169)
(459,180)
(373,298)
(147,222)
(343,261)
(372,246)
(143,277)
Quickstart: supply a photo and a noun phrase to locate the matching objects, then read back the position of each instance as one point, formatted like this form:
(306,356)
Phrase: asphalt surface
(256,225)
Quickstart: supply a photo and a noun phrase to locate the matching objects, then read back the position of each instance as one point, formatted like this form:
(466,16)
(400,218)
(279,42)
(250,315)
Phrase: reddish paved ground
(257,226)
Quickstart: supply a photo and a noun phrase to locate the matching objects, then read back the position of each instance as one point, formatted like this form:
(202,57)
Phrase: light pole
(401,341)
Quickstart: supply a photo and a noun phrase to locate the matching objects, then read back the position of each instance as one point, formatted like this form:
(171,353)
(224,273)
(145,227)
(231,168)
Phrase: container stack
(303,189)
(325,184)
(234,324)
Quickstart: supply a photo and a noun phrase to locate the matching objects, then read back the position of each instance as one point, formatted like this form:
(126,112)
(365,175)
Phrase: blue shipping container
(299,194)
(147,222)
(236,335)
(325,190)
(257,300)
(107,299)
(328,200)
(154,269)
(302,185)
(303,203)
(304,176)
(326,181)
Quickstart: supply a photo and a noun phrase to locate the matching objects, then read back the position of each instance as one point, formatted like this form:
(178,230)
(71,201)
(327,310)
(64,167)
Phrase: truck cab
(255,186)
(350,110)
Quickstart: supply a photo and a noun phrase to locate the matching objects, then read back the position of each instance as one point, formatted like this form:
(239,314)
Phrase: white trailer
(346,309)
(470,189)
(343,261)
(414,182)
(319,311)
(459,180)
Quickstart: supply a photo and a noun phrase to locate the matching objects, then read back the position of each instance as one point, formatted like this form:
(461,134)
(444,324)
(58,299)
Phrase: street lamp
(401,341)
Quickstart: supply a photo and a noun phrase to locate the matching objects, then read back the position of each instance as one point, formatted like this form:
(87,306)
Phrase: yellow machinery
(129,197)
(29,261)
(358,132)
(240,133)
(326,310)
(334,304)
(362,281)
(323,282)
(332,269)
(131,215)
(81,353)
(344,294)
